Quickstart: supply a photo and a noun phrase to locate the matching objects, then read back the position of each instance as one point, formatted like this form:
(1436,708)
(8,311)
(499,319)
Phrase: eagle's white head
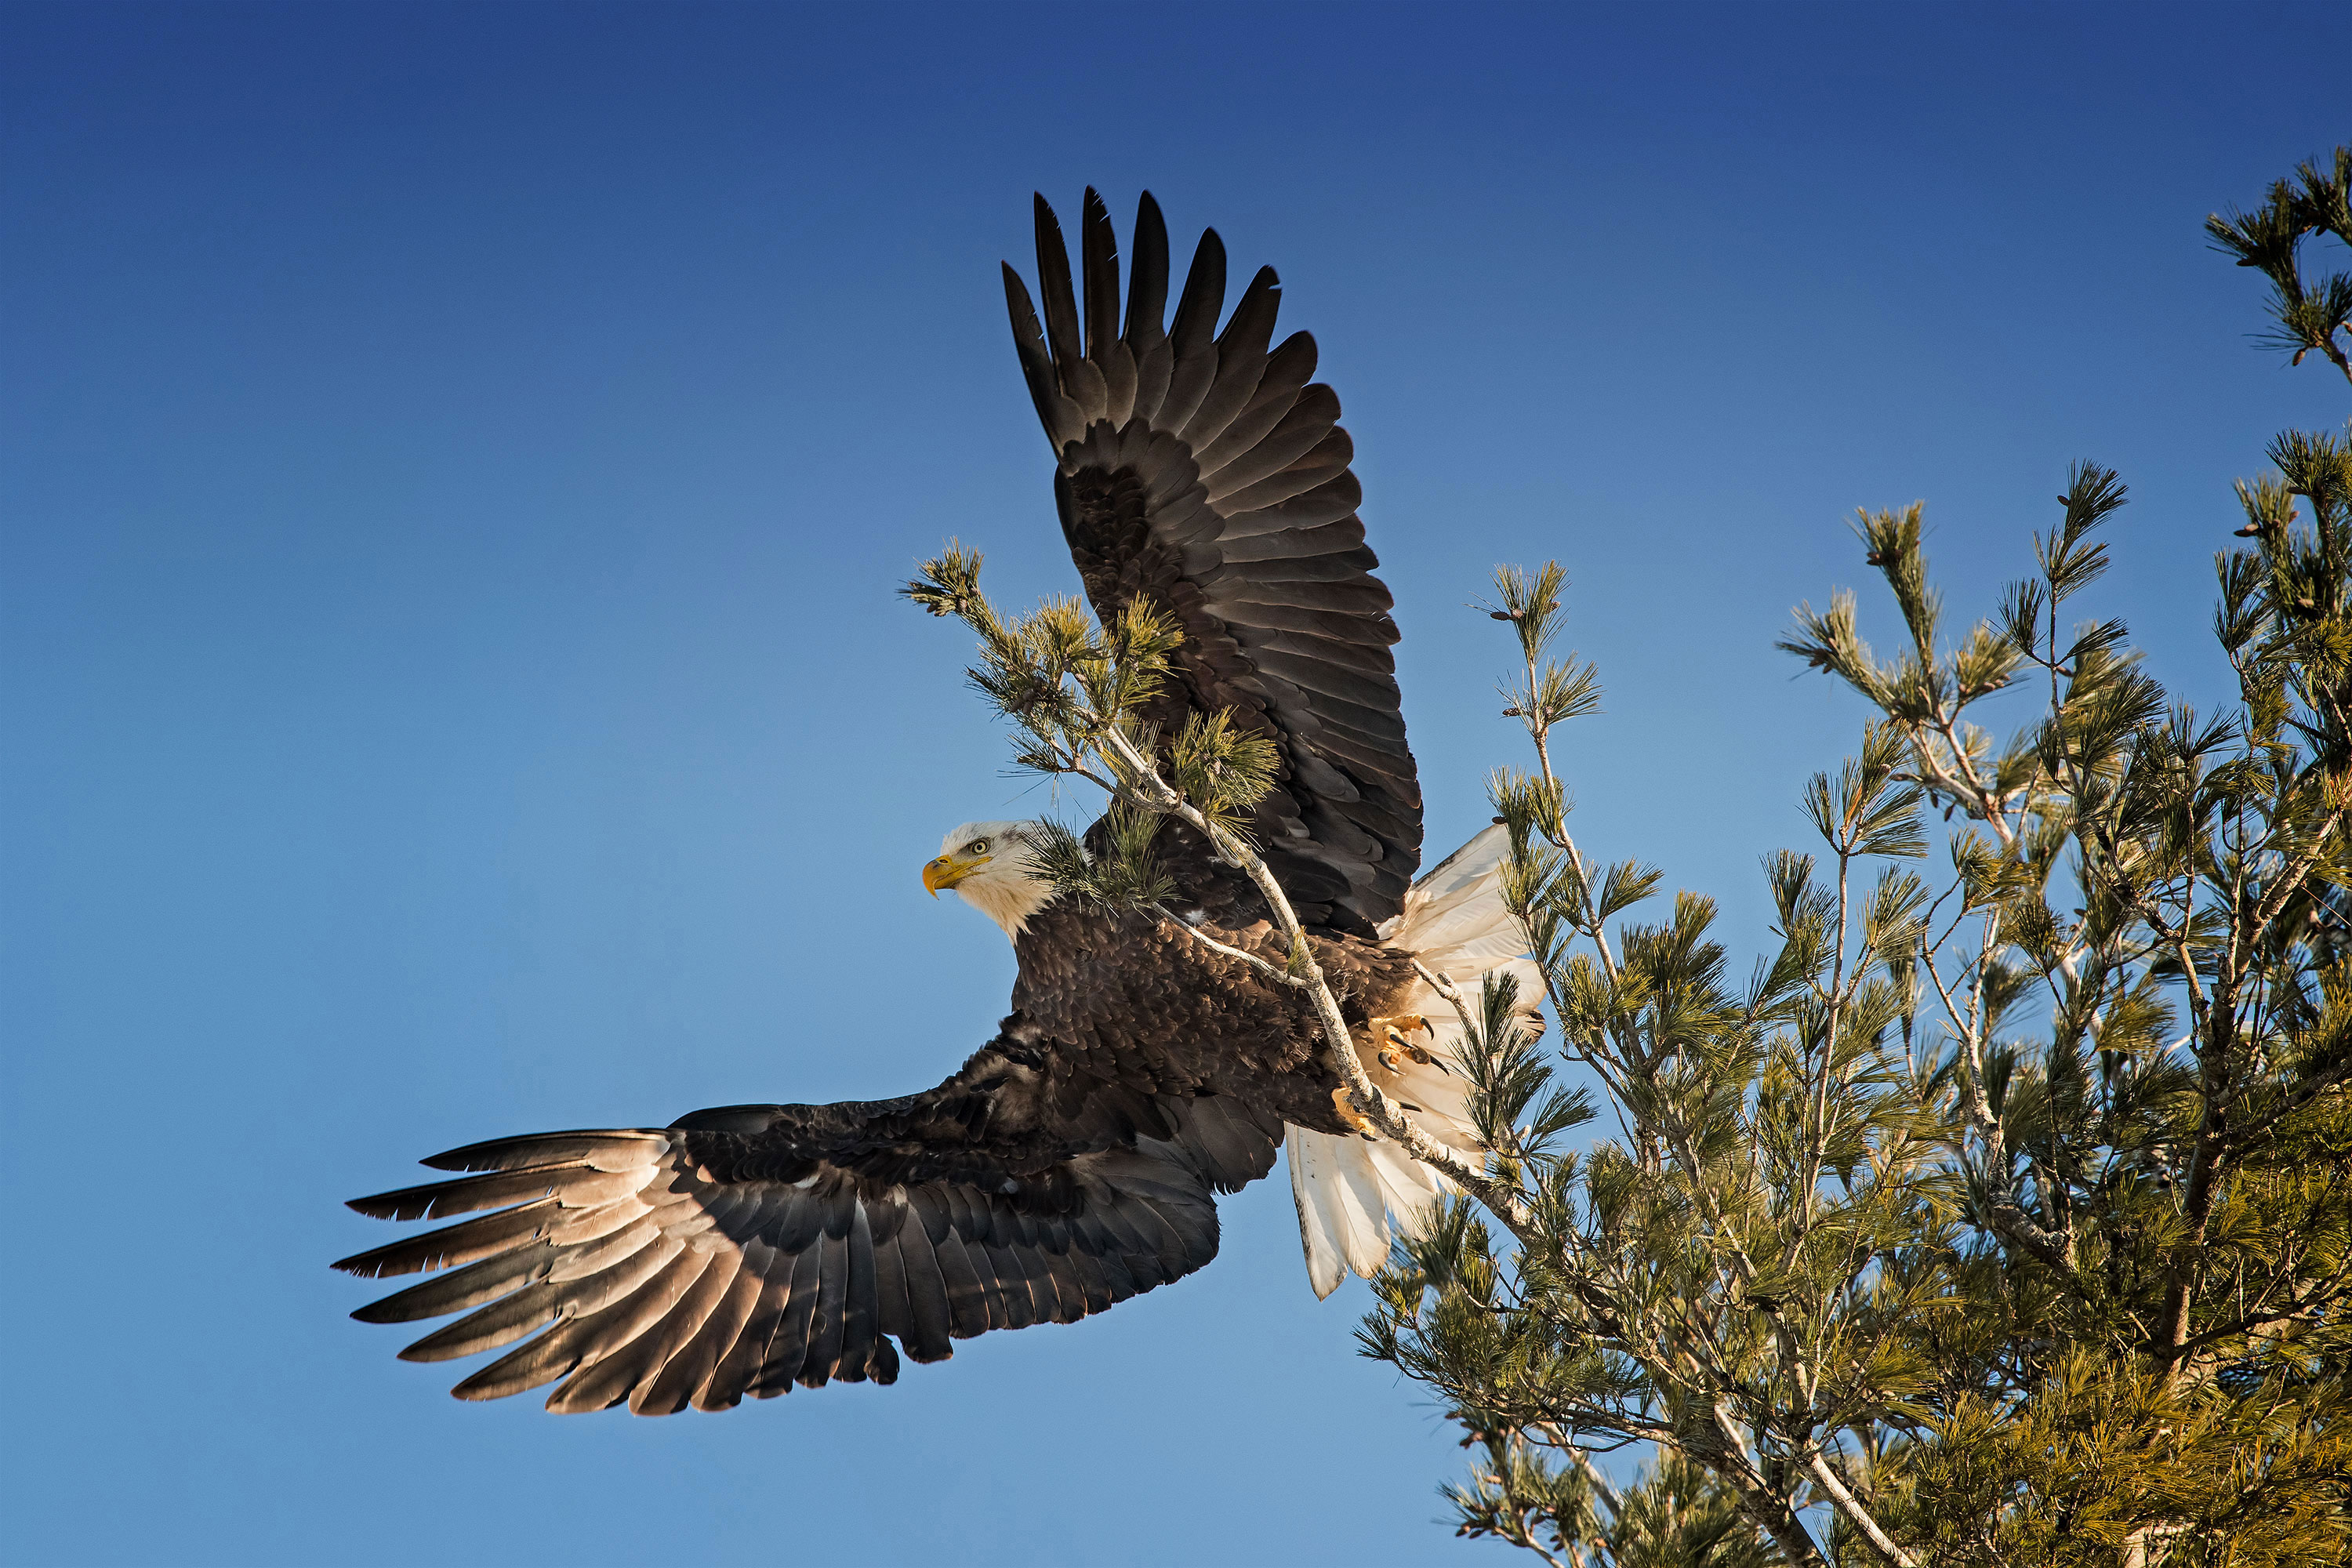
(992,864)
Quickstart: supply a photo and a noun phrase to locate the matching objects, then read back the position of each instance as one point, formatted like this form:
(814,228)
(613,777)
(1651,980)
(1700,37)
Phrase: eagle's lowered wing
(1200,469)
(744,1250)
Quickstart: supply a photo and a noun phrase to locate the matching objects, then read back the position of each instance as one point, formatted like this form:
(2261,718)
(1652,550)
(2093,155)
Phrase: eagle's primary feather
(1074,1161)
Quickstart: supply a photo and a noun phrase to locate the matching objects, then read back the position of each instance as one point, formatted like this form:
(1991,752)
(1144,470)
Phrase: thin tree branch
(1385,1114)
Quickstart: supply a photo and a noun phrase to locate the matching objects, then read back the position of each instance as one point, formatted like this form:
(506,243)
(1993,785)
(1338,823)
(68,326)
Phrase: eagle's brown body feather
(1136,1003)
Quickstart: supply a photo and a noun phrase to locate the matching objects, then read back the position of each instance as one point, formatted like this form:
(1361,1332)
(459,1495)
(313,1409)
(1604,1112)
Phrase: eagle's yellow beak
(948,870)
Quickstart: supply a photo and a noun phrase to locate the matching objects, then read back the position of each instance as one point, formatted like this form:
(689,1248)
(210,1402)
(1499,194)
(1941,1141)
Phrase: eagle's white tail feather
(1311,1157)
(1369,1229)
(1406,1184)
(1354,1194)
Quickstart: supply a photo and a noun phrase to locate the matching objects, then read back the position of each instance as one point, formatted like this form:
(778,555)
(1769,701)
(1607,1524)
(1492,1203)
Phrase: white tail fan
(1356,1195)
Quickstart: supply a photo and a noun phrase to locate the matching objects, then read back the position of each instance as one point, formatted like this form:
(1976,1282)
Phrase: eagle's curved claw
(1388,1042)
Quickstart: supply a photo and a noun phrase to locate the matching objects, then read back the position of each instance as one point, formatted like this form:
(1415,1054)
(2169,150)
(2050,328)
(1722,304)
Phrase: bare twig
(1271,972)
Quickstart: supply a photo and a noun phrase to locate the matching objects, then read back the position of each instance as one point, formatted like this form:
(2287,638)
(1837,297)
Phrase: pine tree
(2005,1214)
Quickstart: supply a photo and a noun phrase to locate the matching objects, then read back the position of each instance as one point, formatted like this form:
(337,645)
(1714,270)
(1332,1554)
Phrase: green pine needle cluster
(1677,1515)
(1125,876)
(1221,768)
(1062,679)
(1077,692)
(2309,312)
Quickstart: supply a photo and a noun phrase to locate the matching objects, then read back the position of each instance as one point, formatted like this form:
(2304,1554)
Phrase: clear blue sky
(455,464)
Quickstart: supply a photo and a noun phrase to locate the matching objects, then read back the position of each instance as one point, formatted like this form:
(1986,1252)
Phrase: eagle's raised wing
(742,1250)
(1200,468)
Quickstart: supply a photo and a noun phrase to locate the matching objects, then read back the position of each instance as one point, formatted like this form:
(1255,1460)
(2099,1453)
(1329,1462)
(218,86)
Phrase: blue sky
(455,463)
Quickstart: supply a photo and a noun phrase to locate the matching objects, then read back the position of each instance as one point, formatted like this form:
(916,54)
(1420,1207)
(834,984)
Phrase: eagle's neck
(1010,903)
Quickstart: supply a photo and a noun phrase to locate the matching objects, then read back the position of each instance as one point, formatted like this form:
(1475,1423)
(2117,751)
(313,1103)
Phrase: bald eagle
(1074,1160)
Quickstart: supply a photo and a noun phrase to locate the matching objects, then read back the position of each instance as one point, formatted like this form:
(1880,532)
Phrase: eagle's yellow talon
(1347,1113)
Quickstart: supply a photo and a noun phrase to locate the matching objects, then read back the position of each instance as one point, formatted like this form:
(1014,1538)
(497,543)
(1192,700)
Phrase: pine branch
(1385,1114)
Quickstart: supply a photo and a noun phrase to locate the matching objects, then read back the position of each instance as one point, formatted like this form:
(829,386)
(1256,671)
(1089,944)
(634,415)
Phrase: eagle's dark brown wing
(1201,468)
(742,1250)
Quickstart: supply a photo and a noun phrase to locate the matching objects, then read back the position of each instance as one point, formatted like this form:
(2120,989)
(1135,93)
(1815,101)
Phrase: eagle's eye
(977,847)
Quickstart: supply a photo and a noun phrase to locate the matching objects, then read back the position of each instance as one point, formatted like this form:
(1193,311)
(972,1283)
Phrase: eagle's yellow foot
(1388,1042)
(1348,1113)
